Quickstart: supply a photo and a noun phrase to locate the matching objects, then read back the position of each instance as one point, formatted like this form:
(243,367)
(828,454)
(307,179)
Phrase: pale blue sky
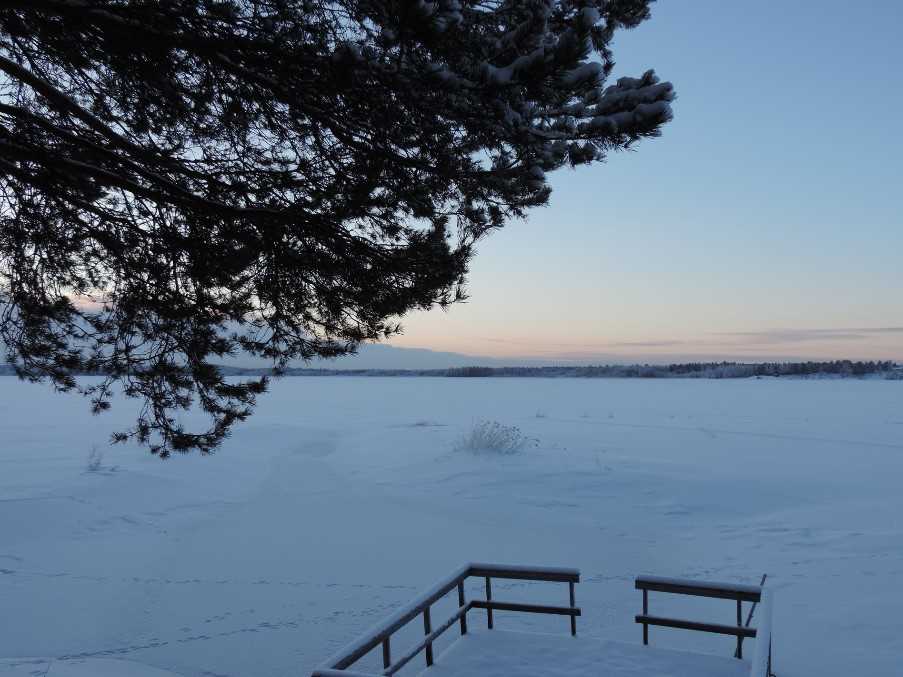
(767,221)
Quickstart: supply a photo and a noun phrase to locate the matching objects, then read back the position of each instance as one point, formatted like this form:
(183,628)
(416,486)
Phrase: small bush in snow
(493,437)
(95,460)
(95,463)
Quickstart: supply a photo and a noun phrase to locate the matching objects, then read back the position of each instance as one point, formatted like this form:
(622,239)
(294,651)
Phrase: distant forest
(835,369)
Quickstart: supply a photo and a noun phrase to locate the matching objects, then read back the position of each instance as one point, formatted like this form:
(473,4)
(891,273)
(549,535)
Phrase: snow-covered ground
(77,667)
(342,497)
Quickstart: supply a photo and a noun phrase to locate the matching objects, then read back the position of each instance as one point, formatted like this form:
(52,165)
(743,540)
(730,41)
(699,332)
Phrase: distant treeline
(694,370)
(836,369)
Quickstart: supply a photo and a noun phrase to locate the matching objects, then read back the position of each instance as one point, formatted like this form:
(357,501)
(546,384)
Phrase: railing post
(461,604)
(489,599)
(645,613)
(573,604)
(739,625)
(752,609)
(427,629)
(387,654)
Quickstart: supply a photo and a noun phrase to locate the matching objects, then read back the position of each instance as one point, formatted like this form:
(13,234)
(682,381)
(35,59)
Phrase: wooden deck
(493,653)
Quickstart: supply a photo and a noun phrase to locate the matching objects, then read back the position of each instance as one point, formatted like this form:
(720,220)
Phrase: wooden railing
(677,586)
(338,665)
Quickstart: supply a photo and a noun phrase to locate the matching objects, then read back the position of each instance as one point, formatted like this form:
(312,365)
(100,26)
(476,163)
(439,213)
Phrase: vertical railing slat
(461,604)
(387,654)
(645,613)
(427,629)
(489,599)
(573,604)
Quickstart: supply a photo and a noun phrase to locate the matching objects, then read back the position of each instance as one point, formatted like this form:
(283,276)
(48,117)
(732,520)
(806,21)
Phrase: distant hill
(382,356)
(373,356)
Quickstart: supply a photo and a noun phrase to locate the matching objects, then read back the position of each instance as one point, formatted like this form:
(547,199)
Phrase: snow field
(343,497)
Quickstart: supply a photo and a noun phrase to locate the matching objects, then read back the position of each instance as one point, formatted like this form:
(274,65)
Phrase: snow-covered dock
(496,653)
(499,653)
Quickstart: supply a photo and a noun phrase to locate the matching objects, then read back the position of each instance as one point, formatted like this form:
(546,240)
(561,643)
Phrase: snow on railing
(382,632)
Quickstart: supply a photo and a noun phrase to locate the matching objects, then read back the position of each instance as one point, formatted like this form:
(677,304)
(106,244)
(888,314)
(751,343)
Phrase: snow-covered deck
(496,653)
(499,653)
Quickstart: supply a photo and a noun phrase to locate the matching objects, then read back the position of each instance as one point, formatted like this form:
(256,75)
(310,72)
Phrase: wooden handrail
(381,634)
(526,608)
(426,642)
(524,573)
(354,651)
(714,628)
(681,586)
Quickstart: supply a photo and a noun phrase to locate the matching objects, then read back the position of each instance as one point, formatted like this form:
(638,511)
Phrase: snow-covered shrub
(95,460)
(95,463)
(494,438)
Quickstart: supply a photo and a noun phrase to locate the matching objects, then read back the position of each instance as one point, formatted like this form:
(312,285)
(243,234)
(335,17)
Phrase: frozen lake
(342,497)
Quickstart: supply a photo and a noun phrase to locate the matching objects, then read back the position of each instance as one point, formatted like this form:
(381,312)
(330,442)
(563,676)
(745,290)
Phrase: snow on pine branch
(633,105)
